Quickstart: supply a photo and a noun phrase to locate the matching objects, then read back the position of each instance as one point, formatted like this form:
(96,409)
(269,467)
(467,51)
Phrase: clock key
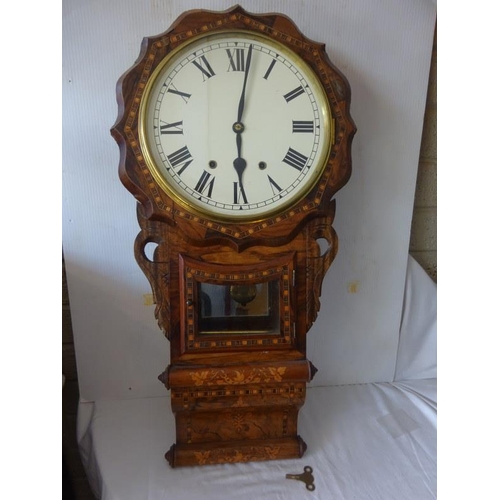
(305,477)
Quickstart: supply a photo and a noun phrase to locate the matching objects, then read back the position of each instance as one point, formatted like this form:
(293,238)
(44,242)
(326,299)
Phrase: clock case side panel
(124,131)
(162,276)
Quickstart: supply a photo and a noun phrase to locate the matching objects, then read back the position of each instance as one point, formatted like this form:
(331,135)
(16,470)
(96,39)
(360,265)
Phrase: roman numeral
(239,193)
(171,128)
(302,127)
(204,184)
(295,159)
(204,67)
(184,95)
(181,156)
(271,66)
(236,59)
(294,93)
(274,186)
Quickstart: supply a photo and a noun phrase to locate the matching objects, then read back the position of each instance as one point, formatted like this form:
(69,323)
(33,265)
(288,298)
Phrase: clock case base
(237,413)
(237,451)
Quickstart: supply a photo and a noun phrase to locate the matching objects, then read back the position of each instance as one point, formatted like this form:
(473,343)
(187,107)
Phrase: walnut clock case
(234,133)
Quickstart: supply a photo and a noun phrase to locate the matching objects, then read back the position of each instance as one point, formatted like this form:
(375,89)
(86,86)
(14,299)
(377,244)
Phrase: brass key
(305,477)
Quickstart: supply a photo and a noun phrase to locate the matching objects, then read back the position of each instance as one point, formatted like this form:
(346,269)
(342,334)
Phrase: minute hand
(241,106)
(240,163)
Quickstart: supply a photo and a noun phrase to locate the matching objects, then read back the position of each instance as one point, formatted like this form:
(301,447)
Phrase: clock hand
(242,98)
(240,163)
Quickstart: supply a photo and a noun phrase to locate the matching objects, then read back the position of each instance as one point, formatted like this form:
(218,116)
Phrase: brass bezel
(206,213)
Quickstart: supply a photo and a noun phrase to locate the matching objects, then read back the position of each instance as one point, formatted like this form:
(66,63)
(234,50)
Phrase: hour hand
(239,165)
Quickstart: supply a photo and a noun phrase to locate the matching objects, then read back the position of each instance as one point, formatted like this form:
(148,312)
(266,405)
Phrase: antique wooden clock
(234,132)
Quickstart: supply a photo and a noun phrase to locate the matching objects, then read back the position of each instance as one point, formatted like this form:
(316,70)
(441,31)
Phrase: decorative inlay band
(236,377)
(186,398)
(249,454)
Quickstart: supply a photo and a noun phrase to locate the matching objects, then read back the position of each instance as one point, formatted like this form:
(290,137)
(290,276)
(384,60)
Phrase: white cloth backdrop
(384,50)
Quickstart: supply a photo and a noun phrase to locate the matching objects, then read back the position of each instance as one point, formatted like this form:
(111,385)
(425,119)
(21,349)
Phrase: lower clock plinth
(237,413)
(255,450)
(236,424)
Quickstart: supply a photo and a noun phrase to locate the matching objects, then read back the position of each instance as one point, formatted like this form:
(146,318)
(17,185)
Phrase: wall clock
(235,133)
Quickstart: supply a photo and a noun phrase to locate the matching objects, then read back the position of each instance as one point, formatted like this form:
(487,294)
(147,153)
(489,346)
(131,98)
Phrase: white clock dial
(235,126)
